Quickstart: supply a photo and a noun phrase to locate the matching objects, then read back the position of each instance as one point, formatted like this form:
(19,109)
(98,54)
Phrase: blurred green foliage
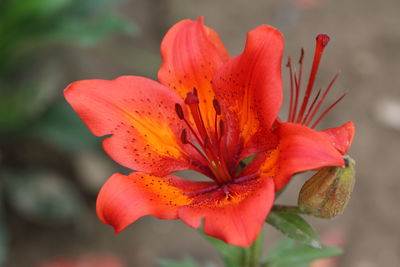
(186,262)
(292,251)
(28,30)
(33,36)
(288,253)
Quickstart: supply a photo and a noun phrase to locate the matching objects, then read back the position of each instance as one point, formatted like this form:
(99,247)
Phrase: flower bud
(327,192)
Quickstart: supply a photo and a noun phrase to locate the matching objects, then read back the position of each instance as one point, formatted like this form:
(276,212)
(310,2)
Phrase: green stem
(253,254)
(284,208)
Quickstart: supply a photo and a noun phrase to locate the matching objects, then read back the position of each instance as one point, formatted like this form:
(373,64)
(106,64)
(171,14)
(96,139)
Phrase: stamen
(296,99)
(209,148)
(193,102)
(202,191)
(289,66)
(184,137)
(322,99)
(297,81)
(201,154)
(327,110)
(207,143)
(311,107)
(179,111)
(246,178)
(217,107)
(300,67)
(221,129)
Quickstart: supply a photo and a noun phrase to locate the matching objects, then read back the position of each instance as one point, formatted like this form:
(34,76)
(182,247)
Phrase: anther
(289,61)
(195,91)
(221,128)
(301,56)
(217,107)
(184,137)
(179,111)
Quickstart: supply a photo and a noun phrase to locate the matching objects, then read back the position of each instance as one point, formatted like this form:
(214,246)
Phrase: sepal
(327,192)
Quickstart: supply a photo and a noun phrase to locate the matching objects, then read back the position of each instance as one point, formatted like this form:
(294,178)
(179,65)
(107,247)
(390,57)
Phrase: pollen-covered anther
(301,56)
(184,138)
(221,128)
(217,107)
(179,111)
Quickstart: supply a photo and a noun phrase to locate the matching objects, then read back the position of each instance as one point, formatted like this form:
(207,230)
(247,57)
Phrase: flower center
(305,115)
(208,141)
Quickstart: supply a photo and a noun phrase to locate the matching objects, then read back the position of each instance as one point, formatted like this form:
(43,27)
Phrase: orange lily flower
(207,113)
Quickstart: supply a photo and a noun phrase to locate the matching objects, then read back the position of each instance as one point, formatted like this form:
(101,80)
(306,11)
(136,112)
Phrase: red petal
(140,115)
(236,219)
(342,136)
(300,149)
(191,54)
(124,199)
(250,88)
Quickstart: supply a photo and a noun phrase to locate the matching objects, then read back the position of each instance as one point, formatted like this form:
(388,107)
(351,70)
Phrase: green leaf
(288,254)
(176,263)
(186,262)
(295,227)
(285,245)
(232,256)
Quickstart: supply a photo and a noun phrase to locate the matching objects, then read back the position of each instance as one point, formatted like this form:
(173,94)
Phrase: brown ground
(365,45)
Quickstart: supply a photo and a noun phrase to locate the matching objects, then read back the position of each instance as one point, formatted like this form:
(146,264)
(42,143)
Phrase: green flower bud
(327,192)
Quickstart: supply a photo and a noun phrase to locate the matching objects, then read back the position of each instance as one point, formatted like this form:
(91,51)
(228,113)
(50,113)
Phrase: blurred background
(51,167)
